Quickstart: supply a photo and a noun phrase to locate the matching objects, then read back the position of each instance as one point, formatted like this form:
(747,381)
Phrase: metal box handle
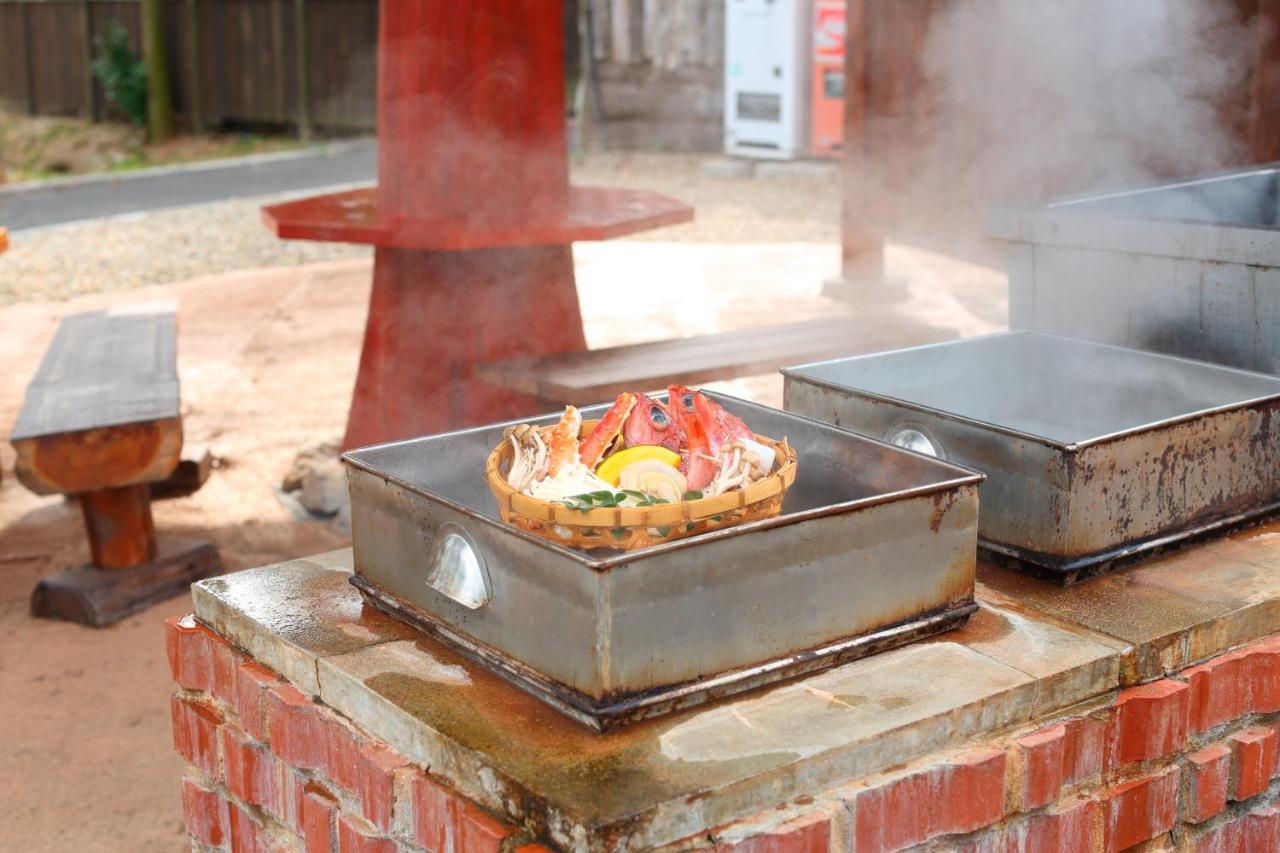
(914,437)
(458,570)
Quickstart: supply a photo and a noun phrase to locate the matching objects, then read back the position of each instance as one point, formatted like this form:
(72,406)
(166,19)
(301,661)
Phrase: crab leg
(595,444)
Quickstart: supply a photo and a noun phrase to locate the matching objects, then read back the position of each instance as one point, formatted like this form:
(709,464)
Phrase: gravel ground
(799,204)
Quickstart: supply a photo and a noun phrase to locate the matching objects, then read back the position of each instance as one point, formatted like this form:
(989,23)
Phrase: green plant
(123,76)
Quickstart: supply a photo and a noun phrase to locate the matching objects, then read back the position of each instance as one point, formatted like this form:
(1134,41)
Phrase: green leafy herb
(664,531)
(692,495)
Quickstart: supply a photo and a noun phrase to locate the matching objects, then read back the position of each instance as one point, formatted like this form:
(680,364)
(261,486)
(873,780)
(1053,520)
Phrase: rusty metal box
(1188,267)
(875,547)
(1094,454)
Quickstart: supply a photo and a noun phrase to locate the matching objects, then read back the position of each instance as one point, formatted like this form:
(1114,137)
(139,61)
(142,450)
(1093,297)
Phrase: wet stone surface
(1031,649)
(666,779)
(289,615)
(1173,610)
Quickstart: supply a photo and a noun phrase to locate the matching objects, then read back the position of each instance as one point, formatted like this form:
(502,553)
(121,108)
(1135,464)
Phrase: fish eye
(658,416)
(686,400)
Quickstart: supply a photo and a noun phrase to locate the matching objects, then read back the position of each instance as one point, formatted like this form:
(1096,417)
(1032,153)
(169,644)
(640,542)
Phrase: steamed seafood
(641,452)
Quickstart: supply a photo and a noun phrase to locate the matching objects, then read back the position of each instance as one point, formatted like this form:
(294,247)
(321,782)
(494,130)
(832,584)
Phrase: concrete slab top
(1030,651)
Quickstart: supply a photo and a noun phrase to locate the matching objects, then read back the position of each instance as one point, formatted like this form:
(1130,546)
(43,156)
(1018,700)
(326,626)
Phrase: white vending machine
(766,44)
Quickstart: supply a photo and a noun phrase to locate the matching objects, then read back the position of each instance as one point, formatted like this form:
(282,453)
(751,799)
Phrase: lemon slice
(611,468)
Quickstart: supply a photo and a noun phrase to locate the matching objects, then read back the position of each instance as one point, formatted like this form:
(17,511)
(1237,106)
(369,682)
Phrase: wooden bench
(101,422)
(596,376)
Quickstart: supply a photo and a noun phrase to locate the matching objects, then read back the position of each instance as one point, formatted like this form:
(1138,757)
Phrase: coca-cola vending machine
(826,93)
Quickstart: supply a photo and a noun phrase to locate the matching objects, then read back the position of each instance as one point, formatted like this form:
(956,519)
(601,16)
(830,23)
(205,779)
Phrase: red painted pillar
(473,216)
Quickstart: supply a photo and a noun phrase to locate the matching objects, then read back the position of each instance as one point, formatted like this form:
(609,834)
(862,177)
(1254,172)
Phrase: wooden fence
(230,60)
(238,61)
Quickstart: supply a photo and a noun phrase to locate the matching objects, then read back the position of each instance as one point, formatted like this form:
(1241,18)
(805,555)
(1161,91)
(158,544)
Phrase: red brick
(1226,838)
(195,732)
(1083,749)
(1148,721)
(478,831)
(1254,762)
(1219,691)
(892,816)
(1069,830)
(342,750)
(434,814)
(1139,810)
(967,794)
(311,737)
(295,728)
(249,697)
(376,767)
(251,772)
(1264,677)
(246,832)
(206,814)
(1262,829)
(317,828)
(1041,755)
(288,808)
(809,833)
(1237,683)
(354,839)
(186,645)
(1208,772)
(954,797)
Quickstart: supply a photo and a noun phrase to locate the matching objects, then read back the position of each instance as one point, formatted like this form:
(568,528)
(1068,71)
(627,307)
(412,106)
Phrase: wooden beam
(1264,133)
(28,57)
(121,531)
(195,79)
(86,29)
(92,459)
(861,248)
(300,60)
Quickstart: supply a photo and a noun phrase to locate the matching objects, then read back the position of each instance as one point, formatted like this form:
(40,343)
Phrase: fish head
(650,422)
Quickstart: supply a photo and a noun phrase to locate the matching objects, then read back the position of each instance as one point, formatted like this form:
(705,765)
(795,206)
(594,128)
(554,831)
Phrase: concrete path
(37,203)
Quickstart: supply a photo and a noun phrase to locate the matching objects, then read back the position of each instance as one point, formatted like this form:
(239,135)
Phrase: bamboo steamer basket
(630,528)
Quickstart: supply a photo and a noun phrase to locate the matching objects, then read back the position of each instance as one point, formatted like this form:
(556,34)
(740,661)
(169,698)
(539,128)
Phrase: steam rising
(1027,99)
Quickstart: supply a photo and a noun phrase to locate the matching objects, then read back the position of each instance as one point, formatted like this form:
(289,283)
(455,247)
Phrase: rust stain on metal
(942,503)
(618,708)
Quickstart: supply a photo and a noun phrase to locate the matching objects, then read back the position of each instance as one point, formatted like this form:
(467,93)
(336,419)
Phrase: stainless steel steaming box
(875,547)
(1094,454)
(1189,268)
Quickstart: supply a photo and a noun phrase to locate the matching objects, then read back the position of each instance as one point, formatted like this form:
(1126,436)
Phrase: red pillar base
(435,313)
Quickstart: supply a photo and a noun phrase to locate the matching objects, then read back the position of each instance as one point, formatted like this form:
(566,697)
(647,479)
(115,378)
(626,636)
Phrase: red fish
(700,464)
(595,444)
(652,423)
(722,428)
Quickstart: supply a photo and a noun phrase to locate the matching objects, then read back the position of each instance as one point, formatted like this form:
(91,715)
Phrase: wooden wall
(231,60)
(659,63)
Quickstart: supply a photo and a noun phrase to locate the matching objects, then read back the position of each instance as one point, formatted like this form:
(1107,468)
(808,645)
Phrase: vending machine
(766,70)
(826,91)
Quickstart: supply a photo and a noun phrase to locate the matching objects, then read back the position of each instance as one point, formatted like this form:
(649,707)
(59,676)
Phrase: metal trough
(875,547)
(1189,268)
(1094,454)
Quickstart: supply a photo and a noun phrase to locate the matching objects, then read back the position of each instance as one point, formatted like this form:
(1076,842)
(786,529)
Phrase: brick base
(1187,763)
(269,769)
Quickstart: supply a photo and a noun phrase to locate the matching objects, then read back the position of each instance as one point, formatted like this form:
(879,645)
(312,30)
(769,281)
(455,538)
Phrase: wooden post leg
(121,531)
(434,315)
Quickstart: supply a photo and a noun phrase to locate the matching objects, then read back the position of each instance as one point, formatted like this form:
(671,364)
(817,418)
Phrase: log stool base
(97,597)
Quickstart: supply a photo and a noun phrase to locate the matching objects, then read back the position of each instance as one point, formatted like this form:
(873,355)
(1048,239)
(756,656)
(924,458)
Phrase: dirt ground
(33,147)
(267,359)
